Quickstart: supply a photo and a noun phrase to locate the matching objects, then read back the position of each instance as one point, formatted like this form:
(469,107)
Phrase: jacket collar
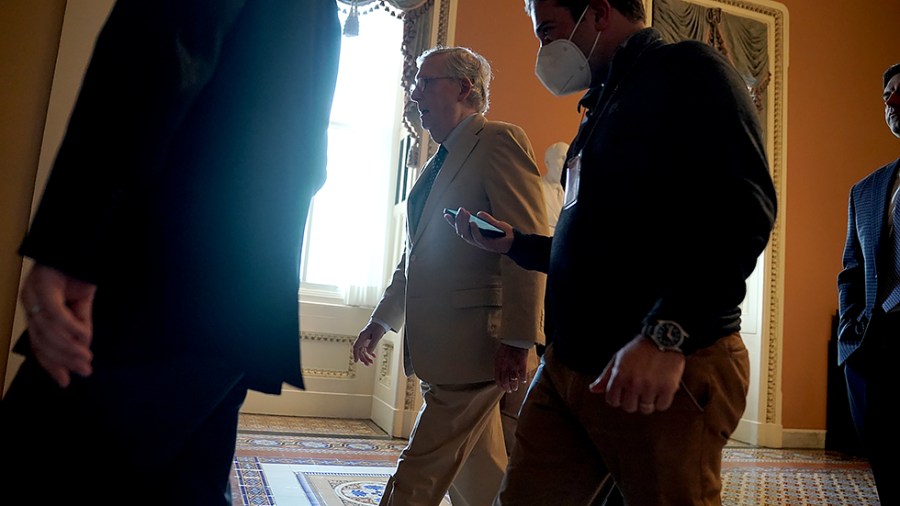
(625,57)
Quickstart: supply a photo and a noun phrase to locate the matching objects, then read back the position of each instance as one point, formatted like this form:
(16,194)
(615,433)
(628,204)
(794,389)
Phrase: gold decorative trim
(411,382)
(384,366)
(348,373)
(443,23)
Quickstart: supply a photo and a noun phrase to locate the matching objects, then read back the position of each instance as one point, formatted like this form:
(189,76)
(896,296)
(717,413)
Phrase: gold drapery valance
(355,8)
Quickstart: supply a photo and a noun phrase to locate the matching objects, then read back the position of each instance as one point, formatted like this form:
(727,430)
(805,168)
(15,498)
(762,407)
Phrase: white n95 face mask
(561,66)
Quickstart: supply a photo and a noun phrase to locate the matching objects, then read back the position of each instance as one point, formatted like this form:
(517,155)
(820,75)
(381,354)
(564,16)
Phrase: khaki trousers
(456,446)
(570,440)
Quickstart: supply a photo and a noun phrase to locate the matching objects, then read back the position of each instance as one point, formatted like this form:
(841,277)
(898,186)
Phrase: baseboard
(803,438)
(396,422)
(771,435)
(306,403)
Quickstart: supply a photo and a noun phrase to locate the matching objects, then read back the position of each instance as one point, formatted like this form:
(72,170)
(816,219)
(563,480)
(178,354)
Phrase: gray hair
(464,63)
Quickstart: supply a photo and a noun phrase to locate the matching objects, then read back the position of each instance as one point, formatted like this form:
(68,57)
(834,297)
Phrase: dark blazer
(182,185)
(858,281)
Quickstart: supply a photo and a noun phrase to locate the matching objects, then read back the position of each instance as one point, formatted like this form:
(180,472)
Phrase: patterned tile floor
(289,461)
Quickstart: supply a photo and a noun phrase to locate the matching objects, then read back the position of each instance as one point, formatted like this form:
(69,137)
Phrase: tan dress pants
(456,446)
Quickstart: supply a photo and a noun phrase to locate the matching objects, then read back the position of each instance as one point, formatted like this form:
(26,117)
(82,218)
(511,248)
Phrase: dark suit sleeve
(150,63)
(851,281)
(531,251)
(714,206)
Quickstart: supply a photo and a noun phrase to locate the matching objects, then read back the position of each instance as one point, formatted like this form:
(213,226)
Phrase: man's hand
(469,232)
(366,341)
(640,377)
(510,364)
(60,327)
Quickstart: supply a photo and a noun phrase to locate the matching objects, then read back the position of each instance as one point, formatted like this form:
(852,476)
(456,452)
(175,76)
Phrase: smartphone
(484,227)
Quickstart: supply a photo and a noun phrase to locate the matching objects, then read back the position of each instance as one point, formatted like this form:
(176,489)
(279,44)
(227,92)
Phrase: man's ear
(465,87)
(600,12)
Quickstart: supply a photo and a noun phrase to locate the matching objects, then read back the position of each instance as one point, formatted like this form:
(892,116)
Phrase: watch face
(667,335)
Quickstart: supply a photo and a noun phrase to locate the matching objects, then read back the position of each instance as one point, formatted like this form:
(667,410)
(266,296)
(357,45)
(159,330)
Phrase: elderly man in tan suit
(470,318)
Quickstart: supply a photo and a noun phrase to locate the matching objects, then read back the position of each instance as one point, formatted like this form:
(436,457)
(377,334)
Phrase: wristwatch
(665,334)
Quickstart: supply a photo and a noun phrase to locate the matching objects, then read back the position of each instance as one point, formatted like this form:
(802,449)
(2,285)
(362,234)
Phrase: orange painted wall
(835,135)
(502,32)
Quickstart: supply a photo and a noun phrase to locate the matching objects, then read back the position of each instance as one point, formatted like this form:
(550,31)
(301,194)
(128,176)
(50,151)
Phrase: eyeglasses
(422,82)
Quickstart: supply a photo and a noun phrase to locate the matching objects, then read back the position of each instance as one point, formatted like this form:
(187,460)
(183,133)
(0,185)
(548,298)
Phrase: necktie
(417,201)
(892,276)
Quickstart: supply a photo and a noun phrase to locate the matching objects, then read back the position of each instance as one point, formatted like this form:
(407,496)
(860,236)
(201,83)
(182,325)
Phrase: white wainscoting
(336,387)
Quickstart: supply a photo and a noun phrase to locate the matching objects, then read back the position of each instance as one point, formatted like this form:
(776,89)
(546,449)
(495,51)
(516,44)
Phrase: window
(348,230)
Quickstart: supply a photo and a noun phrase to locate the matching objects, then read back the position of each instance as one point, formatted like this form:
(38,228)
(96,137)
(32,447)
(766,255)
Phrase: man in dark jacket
(668,205)
(166,250)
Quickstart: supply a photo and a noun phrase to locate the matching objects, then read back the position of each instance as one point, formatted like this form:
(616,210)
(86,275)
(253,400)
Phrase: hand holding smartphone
(484,227)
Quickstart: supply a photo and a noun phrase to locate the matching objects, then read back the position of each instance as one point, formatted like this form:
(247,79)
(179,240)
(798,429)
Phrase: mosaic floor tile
(298,462)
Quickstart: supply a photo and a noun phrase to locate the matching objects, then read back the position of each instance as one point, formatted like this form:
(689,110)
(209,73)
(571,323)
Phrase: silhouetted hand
(59,321)
(366,341)
(510,367)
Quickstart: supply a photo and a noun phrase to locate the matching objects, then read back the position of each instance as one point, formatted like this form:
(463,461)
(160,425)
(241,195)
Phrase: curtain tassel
(351,25)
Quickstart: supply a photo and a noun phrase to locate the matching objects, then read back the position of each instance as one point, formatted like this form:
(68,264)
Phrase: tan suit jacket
(457,301)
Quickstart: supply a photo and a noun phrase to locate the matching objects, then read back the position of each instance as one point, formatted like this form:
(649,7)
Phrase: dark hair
(633,10)
(890,72)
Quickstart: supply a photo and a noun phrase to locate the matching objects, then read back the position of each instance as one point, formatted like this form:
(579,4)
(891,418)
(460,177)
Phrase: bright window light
(348,227)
